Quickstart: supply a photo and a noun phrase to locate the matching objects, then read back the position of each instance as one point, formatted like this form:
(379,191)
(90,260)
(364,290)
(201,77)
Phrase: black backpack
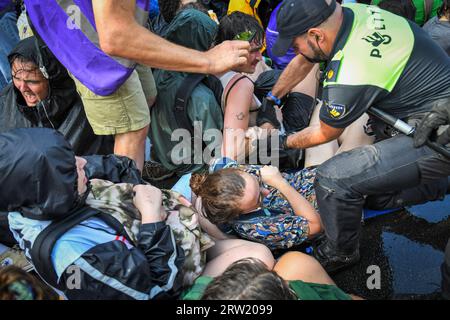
(43,245)
(185,91)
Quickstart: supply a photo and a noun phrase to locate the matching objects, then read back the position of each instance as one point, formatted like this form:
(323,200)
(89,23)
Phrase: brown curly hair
(16,284)
(220,193)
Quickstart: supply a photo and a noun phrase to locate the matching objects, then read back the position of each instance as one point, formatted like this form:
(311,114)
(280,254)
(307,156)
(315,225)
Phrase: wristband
(274,99)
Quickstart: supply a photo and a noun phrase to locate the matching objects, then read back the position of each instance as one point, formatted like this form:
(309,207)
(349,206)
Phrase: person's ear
(315,34)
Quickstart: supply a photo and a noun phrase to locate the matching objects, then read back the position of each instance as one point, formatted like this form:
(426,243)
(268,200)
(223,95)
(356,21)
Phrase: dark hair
(444,10)
(21,59)
(194,5)
(404,8)
(248,279)
(237,22)
(221,193)
(168,9)
(16,284)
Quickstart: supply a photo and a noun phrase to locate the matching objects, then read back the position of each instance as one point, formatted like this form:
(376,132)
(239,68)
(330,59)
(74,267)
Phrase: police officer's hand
(267,114)
(439,116)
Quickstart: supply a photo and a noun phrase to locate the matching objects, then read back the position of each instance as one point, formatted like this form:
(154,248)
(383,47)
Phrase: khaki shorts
(123,111)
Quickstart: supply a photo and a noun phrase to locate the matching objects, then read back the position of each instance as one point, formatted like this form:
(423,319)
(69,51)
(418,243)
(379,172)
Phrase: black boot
(330,260)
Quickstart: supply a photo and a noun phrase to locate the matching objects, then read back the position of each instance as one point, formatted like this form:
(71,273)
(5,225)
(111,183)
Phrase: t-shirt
(383,60)
(439,32)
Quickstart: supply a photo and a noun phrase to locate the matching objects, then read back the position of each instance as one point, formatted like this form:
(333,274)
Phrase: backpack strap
(182,98)
(232,86)
(45,241)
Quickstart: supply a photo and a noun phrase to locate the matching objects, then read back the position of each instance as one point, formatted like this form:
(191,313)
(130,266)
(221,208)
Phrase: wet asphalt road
(408,248)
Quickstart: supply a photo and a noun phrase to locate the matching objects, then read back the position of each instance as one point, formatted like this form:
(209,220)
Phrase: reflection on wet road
(408,248)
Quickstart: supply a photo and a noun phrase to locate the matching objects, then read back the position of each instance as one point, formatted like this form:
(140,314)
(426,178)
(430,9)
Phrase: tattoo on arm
(240,116)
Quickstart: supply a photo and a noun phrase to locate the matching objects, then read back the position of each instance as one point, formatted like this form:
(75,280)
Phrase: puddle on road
(408,248)
(415,267)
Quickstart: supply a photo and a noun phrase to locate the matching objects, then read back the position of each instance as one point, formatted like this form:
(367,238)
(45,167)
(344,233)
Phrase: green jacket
(193,29)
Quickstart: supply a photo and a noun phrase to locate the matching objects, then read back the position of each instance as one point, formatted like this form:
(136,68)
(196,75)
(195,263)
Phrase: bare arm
(302,208)
(313,136)
(120,35)
(296,71)
(236,117)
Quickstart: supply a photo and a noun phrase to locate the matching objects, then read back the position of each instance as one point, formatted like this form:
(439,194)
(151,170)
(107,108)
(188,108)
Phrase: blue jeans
(9,37)
(389,174)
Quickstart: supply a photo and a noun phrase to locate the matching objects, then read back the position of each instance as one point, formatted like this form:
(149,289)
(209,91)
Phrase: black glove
(285,157)
(267,113)
(439,115)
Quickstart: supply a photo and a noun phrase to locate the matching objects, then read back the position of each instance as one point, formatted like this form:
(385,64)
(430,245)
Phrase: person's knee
(299,266)
(300,260)
(136,137)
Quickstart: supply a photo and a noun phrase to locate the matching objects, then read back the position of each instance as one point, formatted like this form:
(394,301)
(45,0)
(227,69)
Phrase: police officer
(374,58)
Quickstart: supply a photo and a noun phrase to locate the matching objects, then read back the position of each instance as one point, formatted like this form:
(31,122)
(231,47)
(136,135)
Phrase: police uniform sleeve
(344,104)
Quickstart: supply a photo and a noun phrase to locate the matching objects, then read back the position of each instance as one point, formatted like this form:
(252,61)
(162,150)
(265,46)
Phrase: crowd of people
(266,124)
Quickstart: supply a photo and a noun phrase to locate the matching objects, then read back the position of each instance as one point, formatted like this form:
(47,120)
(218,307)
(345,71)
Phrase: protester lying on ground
(419,11)
(145,269)
(16,284)
(439,27)
(35,99)
(259,204)
(125,240)
(296,276)
(391,173)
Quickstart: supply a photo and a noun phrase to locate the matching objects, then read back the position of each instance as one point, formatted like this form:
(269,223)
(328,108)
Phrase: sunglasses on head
(248,36)
(245,36)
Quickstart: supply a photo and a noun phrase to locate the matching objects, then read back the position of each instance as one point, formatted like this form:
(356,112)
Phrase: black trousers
(389,174)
